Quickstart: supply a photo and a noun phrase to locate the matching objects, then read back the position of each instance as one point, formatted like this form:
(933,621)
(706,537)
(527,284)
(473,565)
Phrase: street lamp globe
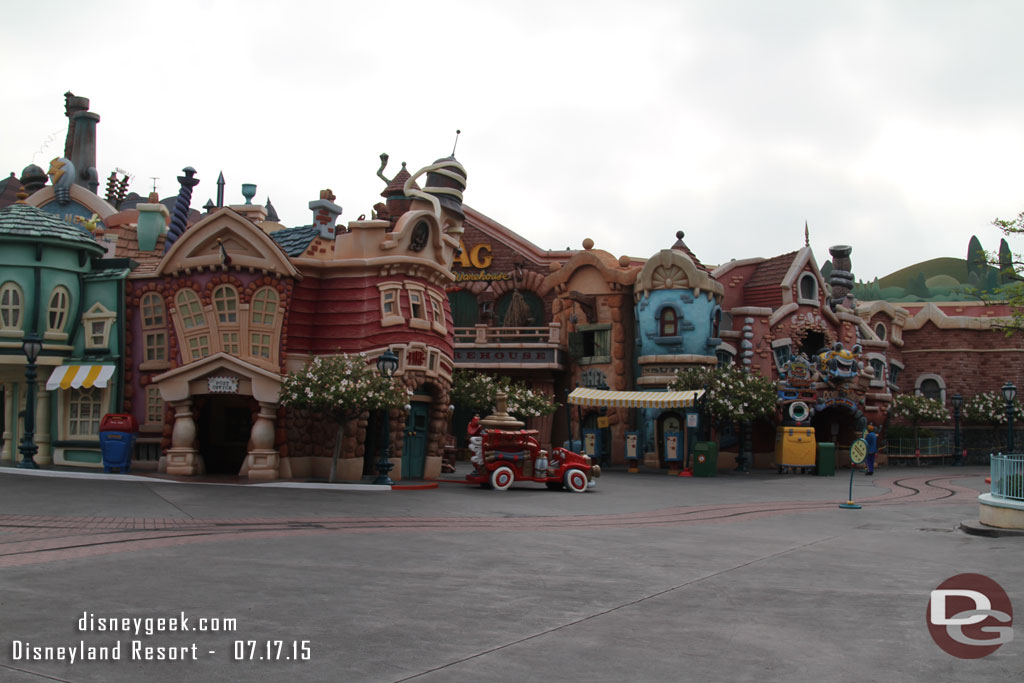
(31,347)
(957,401)
(387,363)
(1009,392)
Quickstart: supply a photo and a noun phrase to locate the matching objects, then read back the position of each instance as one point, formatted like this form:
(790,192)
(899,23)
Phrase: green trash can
(826,463)
(705,459)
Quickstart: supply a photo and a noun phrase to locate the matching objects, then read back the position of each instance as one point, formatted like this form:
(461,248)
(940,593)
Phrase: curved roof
(673,269)
(29,223)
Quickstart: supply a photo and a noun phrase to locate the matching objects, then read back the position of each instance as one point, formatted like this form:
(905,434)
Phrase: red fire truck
(504,457)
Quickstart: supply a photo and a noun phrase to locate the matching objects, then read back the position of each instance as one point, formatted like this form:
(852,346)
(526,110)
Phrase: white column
(182,457)
(44,456)
(263,461)
(10,419)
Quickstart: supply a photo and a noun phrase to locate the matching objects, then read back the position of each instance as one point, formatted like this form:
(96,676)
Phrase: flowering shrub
(341,386)
(731,395)
(477,391)
(989,407)
(917,409)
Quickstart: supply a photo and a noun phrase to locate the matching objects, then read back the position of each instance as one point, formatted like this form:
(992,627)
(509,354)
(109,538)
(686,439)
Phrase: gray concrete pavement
(647,578)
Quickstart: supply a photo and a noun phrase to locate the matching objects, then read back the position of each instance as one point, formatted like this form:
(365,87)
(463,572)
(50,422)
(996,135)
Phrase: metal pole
(28,447)
(957,456)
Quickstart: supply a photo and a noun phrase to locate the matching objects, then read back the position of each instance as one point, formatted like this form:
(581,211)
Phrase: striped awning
(79,376)
(634,399)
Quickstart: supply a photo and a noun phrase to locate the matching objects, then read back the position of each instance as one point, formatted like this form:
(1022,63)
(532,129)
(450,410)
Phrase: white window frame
(153,327)
(930,375)
(437,313)
(263,333)
(55,332)
(800,289)
(98,315)
(11,314)
(70,396)
(416,291)
(153,392)
(390,293)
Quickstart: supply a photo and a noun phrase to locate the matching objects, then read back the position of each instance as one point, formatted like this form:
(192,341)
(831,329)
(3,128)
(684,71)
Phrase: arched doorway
(837,424)
(225,422)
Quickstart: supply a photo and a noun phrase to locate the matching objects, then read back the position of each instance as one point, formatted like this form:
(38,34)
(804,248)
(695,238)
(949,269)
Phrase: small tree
(476,391)
(341,387)
(917,409)
(731,395)
(1011,275)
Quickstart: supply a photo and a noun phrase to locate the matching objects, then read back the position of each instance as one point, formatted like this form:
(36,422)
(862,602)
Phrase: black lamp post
(958,402)
(387,364)
(1009,393)
(32,345)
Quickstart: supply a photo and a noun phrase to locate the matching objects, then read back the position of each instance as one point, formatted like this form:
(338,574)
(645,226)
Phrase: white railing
(483,335)
(1007,473)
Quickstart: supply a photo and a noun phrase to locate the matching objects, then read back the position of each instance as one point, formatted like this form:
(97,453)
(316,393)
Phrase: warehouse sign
(486,356)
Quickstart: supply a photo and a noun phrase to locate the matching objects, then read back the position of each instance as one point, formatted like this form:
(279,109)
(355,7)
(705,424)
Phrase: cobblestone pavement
(647,578)
(35,539)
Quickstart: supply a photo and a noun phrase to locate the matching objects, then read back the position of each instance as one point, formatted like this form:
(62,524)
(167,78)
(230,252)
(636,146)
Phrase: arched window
(932,386)
(225,304)
(808,287)
(11,303)
(84,410)
(465,309)
(262,316)
(154,328)
(190,309)
(880,331)
(57,310)
(534,309)
(668,324)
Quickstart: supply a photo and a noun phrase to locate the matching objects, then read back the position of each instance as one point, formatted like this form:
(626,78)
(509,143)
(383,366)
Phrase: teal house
(678,315)
(56,284)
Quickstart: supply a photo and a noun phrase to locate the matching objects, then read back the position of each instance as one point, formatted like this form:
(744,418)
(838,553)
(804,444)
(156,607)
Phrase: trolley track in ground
(40,539)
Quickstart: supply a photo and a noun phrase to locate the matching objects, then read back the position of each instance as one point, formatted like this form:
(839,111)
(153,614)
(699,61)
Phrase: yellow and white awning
(634,399)
(79,376)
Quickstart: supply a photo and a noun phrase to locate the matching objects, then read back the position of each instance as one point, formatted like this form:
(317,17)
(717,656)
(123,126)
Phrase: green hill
(955,268)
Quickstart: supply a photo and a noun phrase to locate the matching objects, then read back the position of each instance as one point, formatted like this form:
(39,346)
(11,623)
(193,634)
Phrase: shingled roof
(30,223)
(294,241)
(9,189)
(771,272)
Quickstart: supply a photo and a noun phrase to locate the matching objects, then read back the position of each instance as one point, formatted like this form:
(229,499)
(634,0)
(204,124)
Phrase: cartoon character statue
(839,364)
(475,430)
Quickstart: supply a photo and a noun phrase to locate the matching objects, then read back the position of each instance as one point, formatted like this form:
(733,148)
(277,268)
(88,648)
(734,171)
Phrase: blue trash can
(117,441)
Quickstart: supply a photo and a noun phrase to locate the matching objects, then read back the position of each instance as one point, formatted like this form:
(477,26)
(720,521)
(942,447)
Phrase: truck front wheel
(576,481)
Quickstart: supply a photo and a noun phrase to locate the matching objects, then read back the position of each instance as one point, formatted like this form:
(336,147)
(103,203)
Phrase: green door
(414,448)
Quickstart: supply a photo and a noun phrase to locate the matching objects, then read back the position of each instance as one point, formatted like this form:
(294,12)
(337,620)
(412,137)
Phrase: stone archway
(215,378)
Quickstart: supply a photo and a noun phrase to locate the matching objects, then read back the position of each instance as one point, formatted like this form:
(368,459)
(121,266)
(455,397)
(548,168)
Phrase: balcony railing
(1007,473)
(483,335)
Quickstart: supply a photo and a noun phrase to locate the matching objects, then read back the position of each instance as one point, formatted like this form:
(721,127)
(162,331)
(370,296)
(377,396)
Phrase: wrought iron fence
(1007,472)
(928,446)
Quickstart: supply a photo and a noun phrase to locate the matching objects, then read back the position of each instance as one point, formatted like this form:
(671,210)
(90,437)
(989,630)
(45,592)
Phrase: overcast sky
(897,127)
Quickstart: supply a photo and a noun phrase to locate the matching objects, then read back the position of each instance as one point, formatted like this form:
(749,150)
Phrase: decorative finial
(383,165)
(220,189)
(457,134)
(807,235)
(679,234)
(22,196)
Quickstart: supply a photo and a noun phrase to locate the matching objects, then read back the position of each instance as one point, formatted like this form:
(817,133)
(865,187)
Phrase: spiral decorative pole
(179,218)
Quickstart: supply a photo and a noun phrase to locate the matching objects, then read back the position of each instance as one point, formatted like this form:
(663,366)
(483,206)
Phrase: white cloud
(889,126)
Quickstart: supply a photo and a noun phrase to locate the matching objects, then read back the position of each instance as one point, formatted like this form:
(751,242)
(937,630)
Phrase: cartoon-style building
(190,320)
